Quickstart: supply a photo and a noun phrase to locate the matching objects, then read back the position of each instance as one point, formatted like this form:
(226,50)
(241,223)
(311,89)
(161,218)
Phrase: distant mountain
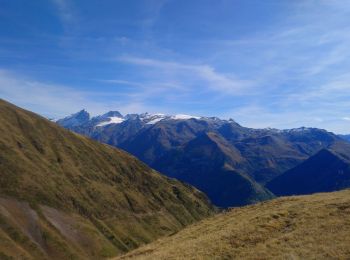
(65,196)
(323,172)
(75,120)
(305,227)
(227,161)
(345,137)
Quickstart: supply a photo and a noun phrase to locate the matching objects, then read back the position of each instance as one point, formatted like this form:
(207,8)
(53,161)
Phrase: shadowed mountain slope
(328,170)
(305,227)
(65,196)
(211,164)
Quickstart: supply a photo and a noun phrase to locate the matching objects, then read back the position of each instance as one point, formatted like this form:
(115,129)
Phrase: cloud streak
(204,75)
(47,99)
(64,10)
(56,101)
(67,14)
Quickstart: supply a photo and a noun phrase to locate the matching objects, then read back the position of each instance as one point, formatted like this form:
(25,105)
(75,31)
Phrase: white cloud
(195,75)
(121,82)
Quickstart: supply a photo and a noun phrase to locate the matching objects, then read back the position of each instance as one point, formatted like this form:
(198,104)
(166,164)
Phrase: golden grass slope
(305,227)
(65,196)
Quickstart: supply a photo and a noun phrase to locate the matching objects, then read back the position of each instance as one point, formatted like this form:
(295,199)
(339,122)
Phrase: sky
(271,63)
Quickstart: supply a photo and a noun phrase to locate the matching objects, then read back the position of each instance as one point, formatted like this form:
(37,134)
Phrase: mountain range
(65,196)
(234,165)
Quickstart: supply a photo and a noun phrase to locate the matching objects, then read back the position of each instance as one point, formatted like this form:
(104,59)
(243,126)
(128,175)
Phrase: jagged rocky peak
(111,117)
(82,115)
(75,119)
(113,114)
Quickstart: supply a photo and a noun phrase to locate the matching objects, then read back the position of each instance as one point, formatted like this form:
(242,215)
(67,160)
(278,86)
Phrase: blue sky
(266,63)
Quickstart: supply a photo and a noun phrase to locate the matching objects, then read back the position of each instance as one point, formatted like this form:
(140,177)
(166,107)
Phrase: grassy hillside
(66,196)
(306,227)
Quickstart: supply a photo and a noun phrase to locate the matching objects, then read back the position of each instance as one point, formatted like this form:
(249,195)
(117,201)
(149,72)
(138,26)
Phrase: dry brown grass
(117,202)
(304,227)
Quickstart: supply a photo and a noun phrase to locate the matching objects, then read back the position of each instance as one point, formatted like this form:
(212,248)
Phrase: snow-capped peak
(112,114)
(114,117)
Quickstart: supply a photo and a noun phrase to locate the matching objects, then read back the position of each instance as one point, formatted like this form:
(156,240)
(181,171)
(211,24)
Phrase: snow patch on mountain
(151,119)
(112,120)
(300,130)
(184,117)
(154,121)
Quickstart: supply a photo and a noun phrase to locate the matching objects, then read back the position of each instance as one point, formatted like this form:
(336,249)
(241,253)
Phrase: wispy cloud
(47,99)
(55,100)
(200,75)
(65,12)
(121,82)
(337,55)
(154,8)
